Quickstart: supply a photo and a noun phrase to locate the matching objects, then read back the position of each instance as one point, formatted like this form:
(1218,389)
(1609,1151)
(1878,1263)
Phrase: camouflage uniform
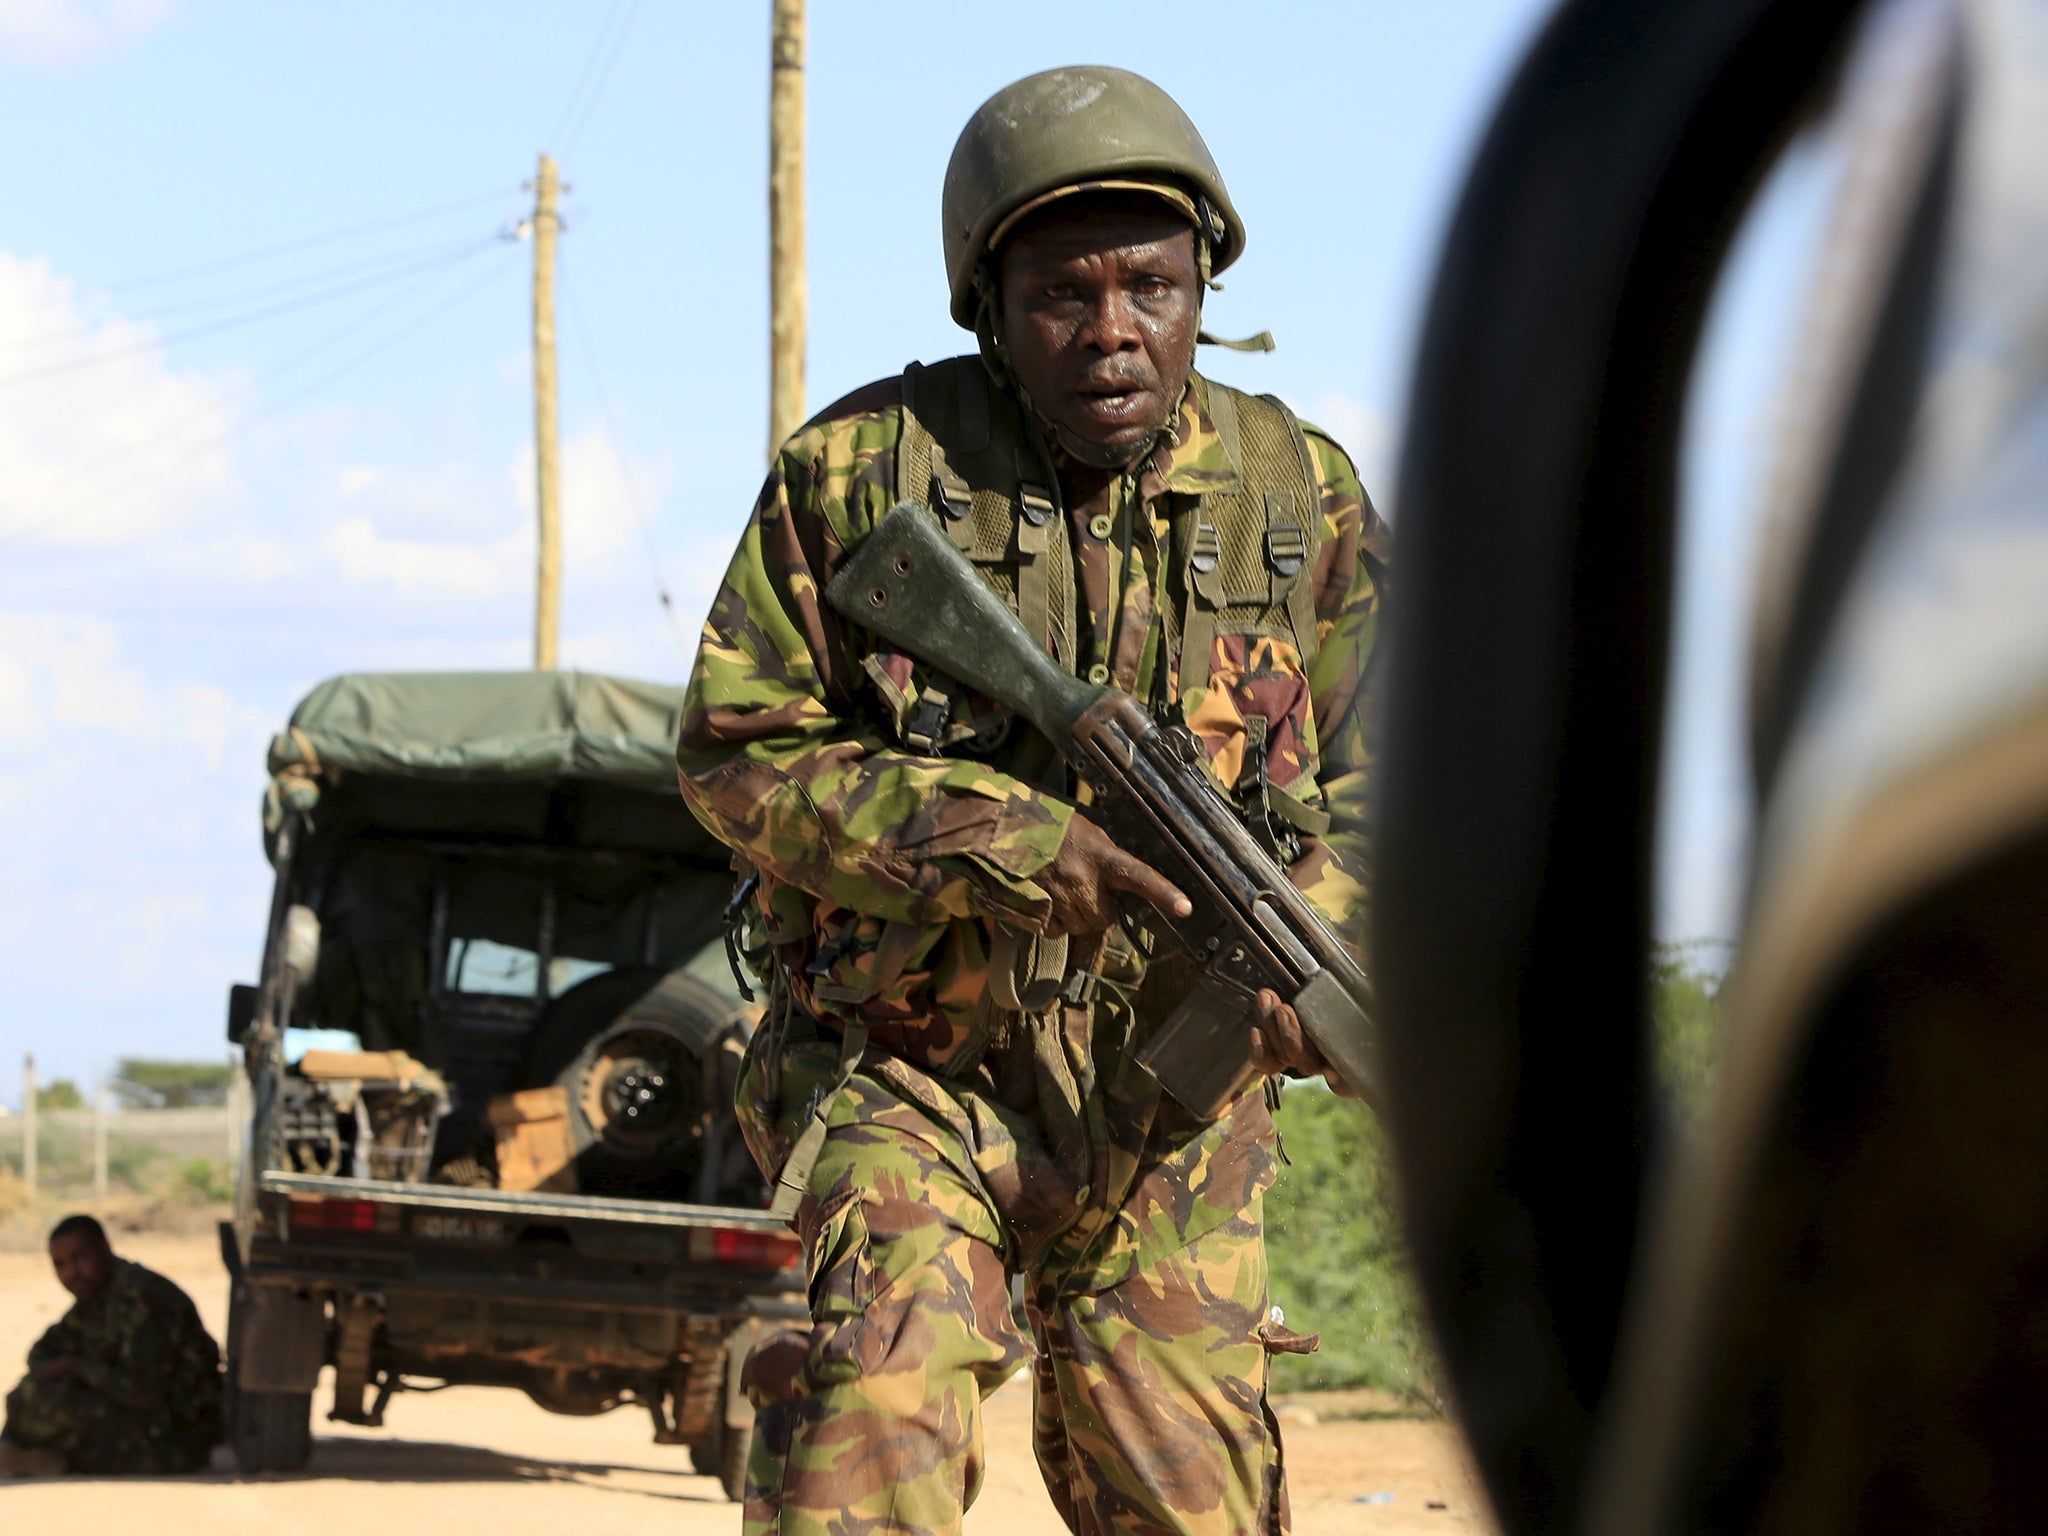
(145,1393)
(973,1145)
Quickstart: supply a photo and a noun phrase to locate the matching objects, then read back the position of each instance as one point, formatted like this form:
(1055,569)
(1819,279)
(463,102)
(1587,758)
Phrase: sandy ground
(481,1459)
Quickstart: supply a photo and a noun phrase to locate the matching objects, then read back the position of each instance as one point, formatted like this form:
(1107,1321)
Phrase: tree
(144,1084)
(61,1093)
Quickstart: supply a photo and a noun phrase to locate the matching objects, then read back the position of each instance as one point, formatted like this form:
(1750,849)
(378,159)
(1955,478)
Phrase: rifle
(1250,928)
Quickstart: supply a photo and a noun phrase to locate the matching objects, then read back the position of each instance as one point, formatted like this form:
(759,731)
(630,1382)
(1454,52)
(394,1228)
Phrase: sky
(264,376)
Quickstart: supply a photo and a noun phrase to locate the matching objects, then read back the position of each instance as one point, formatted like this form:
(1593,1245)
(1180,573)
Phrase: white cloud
(604,498)
(75,31)
(253,559)
(157,922)
(127,807)
(436,567)
(213,722)
(65,675)
(488,542)
(119,452)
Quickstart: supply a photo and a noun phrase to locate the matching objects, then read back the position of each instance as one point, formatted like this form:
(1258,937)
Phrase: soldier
(127,1381)
(932,1135)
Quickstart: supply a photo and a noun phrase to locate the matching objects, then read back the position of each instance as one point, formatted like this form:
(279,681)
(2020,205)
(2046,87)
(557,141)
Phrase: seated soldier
(126,1381)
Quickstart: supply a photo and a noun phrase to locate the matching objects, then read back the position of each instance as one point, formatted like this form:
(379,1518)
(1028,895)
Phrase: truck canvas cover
(489,754)
(487,725)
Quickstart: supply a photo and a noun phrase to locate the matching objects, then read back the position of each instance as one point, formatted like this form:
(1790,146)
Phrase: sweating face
(1101,300)
(82,1264)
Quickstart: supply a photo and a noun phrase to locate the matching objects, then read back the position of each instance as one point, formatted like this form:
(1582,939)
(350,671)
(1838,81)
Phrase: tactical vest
(1245,556)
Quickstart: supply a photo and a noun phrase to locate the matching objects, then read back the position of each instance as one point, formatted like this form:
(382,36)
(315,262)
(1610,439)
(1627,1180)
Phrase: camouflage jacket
(139,1346)
(791,748)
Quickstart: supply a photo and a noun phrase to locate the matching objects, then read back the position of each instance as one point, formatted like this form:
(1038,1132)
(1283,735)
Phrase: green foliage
(130,1164)
(61,1094)
(1335,1251)
(134,1167)
(144,1084)
(1685,1011)
(204,1180)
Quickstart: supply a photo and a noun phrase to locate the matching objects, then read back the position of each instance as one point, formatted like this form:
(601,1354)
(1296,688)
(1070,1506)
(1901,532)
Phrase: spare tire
(641,1056)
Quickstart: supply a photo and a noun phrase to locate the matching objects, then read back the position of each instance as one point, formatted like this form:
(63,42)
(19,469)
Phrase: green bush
(1335,1252)
(1685,1004)
(134,1167)
(204,1180)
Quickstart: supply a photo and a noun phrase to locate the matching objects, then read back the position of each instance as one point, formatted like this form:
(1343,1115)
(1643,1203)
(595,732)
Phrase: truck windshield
(505,970)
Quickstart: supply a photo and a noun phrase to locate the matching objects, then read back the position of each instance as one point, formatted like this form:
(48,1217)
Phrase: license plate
(458,1229)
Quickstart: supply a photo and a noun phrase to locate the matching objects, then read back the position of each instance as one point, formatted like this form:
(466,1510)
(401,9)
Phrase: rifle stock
(1250,928)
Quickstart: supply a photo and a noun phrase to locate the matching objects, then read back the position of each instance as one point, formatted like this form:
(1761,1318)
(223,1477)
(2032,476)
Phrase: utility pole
(238,1110)
(786,289)
(28,1123)
(547,607)
(99,1146)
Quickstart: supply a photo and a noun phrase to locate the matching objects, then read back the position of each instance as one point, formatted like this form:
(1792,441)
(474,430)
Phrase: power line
(232,322)
(310,242)
(640,511)
(583,75)
(596,98)
(244,292)
(604,53)
(412,325)
(308,354)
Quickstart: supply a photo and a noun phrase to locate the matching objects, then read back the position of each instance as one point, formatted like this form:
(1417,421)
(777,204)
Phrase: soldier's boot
(872,1419)
(30,1461)
(1151,1413)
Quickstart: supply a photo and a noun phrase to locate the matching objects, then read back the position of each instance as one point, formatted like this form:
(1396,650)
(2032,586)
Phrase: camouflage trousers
(1149,1364)
(97,1436)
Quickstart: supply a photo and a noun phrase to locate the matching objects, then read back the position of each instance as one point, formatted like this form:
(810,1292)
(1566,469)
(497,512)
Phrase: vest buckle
(926,732)
(951,495)
(1286,549)
(1035,502)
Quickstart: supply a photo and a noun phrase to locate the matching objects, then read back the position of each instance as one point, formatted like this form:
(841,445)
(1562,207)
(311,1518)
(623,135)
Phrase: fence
(70,1149)
(172,1133)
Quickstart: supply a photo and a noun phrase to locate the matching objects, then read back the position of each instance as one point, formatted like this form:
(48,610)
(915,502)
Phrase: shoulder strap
(967,455)
(1291,553)
(1252,548)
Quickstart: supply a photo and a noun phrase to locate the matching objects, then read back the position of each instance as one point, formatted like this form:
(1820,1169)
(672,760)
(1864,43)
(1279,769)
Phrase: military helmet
(1082,123)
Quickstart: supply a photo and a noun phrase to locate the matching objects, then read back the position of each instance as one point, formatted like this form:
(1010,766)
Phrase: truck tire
(272,1431)
(733,1447)
(637,1052)
(267,1431)
(725,1459)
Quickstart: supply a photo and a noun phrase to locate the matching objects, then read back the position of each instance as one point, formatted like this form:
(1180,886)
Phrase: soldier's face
(1100,305)
(82,1265)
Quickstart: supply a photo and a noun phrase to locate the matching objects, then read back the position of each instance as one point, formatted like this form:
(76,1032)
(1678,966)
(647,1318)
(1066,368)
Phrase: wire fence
(63,1135)
(106,1152)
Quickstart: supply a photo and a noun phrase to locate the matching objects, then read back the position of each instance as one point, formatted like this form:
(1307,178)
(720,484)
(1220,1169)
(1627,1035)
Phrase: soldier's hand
(1088,872)
(1280,1044)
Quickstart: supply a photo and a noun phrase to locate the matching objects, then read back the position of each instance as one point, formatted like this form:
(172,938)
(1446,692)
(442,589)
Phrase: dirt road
(484,1460)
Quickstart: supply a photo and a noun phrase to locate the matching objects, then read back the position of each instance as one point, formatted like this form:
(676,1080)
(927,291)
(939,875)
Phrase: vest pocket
(1254,718)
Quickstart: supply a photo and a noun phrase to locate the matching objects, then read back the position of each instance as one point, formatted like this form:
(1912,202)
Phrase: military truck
(491,1054)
